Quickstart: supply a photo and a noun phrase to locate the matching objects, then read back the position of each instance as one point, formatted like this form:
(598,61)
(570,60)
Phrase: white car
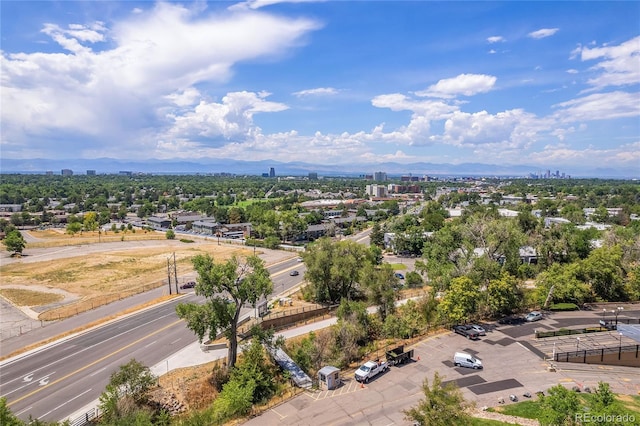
(533,316)
(481,331)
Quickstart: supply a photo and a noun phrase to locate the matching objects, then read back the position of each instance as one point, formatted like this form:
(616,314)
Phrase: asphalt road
(52,383)
(57,380)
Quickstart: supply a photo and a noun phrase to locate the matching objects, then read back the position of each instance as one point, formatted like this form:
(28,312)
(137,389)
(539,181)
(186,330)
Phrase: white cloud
(185,97)
(463,84)
(433,109)
(495,39)
(543,33)
(218,123)
(599,106)
(155,60)
(513,129)
(572,71)
(627,155)
(619,66)
(257,4)
(492,51)
(320,91)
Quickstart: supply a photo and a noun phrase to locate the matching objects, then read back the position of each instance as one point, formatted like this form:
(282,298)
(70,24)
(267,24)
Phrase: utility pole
(175,271)
(169,274)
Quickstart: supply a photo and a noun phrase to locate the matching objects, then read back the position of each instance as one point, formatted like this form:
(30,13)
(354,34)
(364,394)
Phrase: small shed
(329,377)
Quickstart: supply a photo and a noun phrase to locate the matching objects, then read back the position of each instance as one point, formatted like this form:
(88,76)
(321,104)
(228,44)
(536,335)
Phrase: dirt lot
(60,275)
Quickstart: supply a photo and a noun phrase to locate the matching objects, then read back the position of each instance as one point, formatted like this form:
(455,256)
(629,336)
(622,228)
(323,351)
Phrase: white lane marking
(88,347)
(64,403)
(28,383)
(97,371)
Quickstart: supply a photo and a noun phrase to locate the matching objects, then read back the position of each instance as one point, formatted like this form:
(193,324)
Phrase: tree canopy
(226,287)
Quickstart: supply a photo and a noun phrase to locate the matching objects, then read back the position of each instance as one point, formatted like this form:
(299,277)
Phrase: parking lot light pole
(620,347)
(577,343)
(617,312)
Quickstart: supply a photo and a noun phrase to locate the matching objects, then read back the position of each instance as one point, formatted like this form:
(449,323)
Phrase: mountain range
(238,167)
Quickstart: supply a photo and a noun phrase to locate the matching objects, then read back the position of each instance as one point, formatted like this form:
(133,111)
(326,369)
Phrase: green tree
(235,400)
(7,418)
(376,238)
(333,268)
(351,332)
(567,282)
(503,295)
(460,301)
(558,407)
(413,280)
(14,242)
(74,228)
(244,284)
(603,270)
(90,221)
(127,391)
(443,405)
(380,287)
(603,397)
(170,234)
(254,370)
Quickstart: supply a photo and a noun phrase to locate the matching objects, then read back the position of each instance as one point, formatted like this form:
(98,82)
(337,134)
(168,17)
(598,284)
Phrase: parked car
(466,331)
(533,316)
(399,276)
(463,359)
(300,259)
(294,273)
(190,284)
(369,370)
(609,325)
(511,320)
(481,331)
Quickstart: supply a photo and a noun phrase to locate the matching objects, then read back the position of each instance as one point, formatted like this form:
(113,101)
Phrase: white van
(465,360)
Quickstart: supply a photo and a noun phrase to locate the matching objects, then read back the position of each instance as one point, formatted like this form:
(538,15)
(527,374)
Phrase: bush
(564,307)
(184,240)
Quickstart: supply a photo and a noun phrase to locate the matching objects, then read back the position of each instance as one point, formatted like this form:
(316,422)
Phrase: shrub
(563,307)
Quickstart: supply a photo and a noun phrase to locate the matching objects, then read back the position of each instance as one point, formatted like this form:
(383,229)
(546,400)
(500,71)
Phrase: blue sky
(549,84)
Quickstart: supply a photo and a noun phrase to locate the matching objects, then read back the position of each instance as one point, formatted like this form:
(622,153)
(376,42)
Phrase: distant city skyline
(346,85)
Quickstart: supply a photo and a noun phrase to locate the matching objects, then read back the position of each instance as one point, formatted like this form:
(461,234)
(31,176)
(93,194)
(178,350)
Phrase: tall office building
(91,172)
(379,176)
(272,172)
(67,172)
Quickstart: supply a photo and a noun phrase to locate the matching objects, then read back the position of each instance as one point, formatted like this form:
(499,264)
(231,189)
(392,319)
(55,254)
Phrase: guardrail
(86,418)
(568,332)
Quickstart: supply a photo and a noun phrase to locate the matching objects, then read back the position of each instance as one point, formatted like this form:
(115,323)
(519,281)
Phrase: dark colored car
(513,320)
(466,331)
(190,284)
(294,273)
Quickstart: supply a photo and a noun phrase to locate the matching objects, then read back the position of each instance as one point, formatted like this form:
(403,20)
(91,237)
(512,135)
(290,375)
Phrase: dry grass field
(90,270)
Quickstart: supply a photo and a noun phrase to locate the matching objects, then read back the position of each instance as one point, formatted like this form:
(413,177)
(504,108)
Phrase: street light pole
(620,347)
(617,312)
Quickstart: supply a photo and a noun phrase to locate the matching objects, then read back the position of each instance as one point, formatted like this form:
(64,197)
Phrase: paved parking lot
(513,364)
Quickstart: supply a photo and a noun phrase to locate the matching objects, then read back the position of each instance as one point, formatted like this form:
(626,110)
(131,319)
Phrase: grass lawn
(398,266)
(531,409)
